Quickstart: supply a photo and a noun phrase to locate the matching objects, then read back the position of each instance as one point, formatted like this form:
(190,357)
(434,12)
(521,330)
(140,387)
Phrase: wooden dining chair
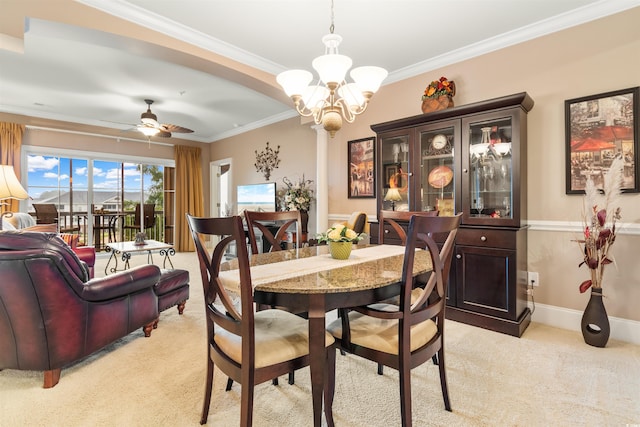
(47,213)
(102,224)
(266,222)
(146,212)
(249,346)
(393,218)
(407,335)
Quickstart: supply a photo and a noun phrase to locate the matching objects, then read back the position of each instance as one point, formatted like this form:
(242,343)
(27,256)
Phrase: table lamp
(10,188)
(393,196)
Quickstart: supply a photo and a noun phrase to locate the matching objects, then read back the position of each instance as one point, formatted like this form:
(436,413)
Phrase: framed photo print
(390,172)
(599,128)
(361,163)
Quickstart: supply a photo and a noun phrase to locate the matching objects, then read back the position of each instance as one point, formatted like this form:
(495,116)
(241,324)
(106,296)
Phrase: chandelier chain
(332,27)
(332,99)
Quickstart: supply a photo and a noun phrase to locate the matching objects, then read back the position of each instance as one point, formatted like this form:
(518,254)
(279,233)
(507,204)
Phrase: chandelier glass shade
(332,99)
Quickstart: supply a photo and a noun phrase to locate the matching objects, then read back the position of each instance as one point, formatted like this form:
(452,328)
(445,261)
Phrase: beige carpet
(547,377)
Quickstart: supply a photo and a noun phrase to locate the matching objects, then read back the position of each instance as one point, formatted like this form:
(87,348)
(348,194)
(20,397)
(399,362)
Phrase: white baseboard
(559,317)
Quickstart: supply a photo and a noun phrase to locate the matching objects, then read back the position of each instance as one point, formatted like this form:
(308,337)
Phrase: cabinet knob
(459,256)
(410,174)
(386,231)
(483,238)
(465,170)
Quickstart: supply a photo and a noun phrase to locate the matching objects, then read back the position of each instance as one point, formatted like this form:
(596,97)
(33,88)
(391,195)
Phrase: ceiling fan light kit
(150,126)
(332,99)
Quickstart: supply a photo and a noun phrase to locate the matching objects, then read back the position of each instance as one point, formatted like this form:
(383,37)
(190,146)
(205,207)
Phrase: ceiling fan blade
(118,123)
(164,134)
(174,128)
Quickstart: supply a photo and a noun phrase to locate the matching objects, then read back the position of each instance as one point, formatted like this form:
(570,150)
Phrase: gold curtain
(10,143)
(189,193)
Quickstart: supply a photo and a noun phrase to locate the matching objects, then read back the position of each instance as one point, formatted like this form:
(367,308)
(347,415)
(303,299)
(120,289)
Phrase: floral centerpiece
(340,233)
(340,239)
(297,196)
(438,95)
(600,224)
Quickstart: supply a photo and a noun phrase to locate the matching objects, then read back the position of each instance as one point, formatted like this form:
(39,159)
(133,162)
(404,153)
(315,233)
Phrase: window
(90,190)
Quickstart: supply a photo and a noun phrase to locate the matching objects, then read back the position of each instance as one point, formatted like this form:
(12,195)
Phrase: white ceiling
(90,77)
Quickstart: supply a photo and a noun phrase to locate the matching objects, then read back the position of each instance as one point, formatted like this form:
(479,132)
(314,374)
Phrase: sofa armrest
(86,254)
(122,283)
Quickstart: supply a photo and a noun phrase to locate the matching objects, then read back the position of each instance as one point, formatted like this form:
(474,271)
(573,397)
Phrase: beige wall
(597,57)
(297,155)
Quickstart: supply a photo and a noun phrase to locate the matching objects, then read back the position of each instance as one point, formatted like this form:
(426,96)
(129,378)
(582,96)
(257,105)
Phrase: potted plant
(438,95)
(600,214)
(340,239)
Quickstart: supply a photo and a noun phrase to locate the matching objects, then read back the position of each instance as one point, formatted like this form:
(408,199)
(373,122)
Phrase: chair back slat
(393,218)
(421,235)
(282,220)
(228,230)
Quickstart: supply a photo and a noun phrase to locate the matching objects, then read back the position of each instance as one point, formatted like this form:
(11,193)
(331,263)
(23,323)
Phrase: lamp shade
(294,82)
(332,67)
(314,96)
(352,96)
(393,195)
(368,78)
(10,187)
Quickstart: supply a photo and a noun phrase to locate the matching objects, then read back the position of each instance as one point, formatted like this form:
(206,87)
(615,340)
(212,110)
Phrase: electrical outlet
(532,279)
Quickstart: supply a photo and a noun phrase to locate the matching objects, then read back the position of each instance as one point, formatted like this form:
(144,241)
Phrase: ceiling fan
(151,127)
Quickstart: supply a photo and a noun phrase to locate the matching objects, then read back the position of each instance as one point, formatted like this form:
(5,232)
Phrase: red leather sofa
(53,314)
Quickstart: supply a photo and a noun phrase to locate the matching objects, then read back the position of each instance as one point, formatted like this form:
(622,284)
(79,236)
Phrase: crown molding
(557,23)
(143,17)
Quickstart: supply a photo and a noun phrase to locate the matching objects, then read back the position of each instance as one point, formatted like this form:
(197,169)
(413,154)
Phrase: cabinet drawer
(391,237)
(483,237)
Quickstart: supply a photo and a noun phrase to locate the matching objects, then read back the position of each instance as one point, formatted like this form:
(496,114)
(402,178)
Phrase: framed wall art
(361,163)
(390,171)
(599,128)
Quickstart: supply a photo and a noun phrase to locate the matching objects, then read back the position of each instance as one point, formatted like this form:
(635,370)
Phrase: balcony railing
(110,226)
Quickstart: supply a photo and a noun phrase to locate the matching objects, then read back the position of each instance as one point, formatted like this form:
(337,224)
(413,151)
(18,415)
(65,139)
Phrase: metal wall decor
(267,160)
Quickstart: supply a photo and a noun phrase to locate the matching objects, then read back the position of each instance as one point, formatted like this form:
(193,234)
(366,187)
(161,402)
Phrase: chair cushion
(280,336)
(382,334)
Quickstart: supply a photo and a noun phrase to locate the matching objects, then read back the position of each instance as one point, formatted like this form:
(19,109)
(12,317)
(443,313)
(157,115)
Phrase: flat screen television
(256,197)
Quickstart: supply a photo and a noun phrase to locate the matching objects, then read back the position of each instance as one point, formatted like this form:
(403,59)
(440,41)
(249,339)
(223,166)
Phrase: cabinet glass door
(437,169)
(489,196)
(394,188)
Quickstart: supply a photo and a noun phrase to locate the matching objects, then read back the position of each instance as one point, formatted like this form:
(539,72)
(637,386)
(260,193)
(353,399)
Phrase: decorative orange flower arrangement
(439,88)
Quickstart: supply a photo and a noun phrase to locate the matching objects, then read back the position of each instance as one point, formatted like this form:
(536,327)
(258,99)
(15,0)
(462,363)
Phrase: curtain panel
(10,144)
(189,193)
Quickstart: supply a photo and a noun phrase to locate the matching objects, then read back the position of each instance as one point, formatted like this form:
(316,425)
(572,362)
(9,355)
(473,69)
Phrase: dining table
(307,280)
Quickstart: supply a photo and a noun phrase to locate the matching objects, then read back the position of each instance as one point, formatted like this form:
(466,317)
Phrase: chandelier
(332,98)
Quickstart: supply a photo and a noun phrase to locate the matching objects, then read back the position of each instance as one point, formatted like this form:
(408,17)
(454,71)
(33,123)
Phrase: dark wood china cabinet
(469,159)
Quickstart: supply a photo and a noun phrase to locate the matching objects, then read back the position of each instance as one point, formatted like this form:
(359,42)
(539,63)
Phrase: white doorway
(221,201)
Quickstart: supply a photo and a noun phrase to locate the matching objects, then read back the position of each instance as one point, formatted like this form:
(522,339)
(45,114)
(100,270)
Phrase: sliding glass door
(101,195)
